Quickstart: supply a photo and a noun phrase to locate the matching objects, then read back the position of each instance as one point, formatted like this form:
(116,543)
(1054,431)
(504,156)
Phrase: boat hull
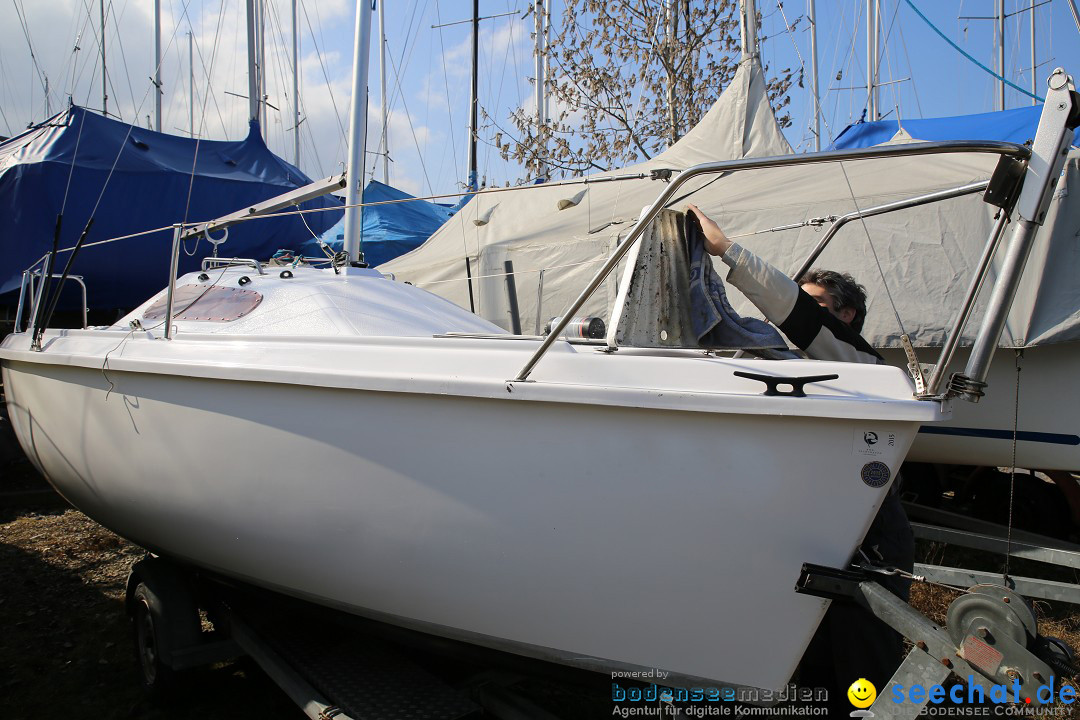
(612,538)
(981,433)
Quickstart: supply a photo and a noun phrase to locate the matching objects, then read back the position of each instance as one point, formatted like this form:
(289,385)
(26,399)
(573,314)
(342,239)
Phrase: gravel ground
(66,649)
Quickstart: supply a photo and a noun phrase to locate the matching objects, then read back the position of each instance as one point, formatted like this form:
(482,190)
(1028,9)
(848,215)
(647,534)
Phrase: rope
(1012,469)
(963,52)
(862,221)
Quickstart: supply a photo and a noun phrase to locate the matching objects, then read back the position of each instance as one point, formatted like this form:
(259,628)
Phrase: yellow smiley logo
(862,693)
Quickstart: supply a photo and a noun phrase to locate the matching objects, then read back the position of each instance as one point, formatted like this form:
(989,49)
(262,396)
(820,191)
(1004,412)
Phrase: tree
(631,77)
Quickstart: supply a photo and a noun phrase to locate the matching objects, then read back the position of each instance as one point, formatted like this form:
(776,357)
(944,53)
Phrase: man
(832,335)
(823,317)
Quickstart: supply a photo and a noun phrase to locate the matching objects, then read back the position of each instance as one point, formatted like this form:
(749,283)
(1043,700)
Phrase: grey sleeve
(810,327)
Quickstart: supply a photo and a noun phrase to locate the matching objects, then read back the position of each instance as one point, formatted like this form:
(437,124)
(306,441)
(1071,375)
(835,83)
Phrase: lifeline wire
(873,250)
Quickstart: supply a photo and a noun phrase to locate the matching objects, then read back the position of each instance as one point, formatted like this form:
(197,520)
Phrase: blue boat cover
(1017,125)
(137,180)
(388,230)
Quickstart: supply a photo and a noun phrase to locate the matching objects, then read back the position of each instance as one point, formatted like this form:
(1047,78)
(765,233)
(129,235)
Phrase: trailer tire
(157,678)
(165,618)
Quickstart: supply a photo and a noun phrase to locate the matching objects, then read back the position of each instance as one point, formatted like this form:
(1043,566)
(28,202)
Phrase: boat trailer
(990,640)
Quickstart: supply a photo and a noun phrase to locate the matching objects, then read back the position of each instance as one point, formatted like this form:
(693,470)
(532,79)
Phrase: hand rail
(711,168)
(26,286)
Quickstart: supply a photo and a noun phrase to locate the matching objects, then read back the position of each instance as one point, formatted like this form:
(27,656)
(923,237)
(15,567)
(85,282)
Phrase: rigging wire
(895,88)
(26,34)
(816,102)
(412,130)
(911,69)
(963,52)
(208,72)
(873,250)
(322,65)
(123,55)
(446,85)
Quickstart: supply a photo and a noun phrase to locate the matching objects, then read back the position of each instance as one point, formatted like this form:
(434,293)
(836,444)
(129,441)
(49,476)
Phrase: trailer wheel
(164,621)
(157,677)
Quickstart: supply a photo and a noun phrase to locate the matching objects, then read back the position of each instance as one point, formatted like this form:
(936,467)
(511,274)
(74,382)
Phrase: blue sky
(428,77)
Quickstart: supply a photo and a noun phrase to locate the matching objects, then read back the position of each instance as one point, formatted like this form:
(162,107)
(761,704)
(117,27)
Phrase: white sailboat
(312,431)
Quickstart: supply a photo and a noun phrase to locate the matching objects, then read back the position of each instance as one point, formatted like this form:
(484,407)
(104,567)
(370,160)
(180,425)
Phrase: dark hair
(844,290)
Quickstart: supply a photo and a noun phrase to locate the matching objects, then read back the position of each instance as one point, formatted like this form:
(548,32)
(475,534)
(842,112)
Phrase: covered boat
(131,180)
(529,254)
(395,223)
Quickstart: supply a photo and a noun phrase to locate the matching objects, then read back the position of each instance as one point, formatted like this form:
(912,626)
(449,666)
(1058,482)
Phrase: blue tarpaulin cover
(389,230)
(1017,125)
(73,154)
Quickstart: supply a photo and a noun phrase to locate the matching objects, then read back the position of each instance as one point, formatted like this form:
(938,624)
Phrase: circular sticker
(875,474)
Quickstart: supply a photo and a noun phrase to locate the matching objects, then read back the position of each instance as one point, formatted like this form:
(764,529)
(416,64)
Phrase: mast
(354,215)
(473,179)
(811,14)
(262,64)
(384,146)
(191,82)
(547,61)
(296,87)
(877,59)
(104,80)
(157,65)
(1034,84)
(253,81)
(539,47)
(748,28)
(1000,13)
(871,57)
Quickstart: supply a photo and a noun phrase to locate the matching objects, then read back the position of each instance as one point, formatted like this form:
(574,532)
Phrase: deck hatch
(207,303)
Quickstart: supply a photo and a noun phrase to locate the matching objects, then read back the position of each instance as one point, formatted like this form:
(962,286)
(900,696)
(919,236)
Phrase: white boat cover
(925,254)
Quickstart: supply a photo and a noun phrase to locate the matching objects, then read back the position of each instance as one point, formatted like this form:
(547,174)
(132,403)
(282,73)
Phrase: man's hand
(716,242)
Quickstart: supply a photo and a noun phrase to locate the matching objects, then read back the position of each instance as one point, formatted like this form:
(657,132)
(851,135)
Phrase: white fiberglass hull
(600,536)
(1048,421)
(630,511)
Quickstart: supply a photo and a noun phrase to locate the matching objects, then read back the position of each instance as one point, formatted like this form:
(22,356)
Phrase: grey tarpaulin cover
(926,254)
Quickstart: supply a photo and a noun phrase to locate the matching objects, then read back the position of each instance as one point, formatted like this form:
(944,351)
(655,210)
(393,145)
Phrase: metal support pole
(841,221)
(354,214)
(157,65)
(811,14)
(174,262)
(384,144)
(104,78)
(191,82)
(953,339)
(877,58)
(26,282)
(748,26)
(473,181)
(538,51)
(1047,159)
(871,54)
(296,85)
(253,72)
(261,30)
(1000,13)
(547,73)
(679,180)
(1034,71)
